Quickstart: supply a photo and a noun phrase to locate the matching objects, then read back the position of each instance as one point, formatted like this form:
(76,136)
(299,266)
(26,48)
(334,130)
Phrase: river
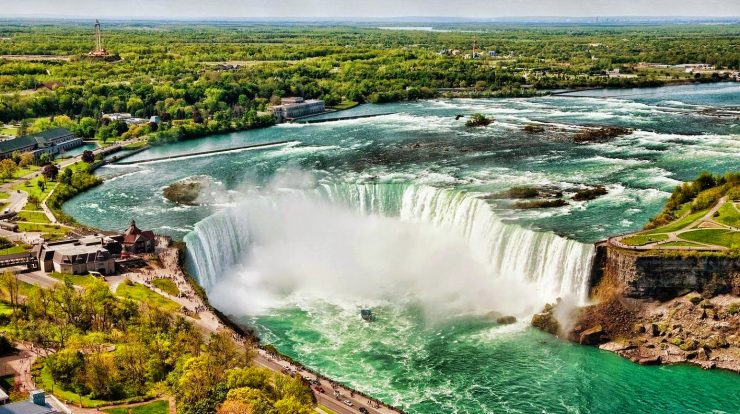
(391,212)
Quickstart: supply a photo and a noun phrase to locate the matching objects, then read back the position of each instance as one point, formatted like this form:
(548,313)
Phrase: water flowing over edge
(556,265)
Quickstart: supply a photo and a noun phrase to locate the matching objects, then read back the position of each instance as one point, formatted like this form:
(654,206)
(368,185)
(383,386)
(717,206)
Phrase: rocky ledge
(689,329)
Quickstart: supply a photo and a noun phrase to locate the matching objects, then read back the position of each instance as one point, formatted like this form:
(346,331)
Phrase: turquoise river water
(392,212)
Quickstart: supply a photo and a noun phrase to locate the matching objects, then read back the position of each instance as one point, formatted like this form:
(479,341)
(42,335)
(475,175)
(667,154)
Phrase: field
(729,215)
(720,237)
(143,294)
(680,223)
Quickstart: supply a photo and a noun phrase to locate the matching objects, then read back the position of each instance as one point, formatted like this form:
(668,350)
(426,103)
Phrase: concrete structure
(52,141)
(3,397)
(296,107)
(136,241)
(36,404)
(99,50)
(78,256)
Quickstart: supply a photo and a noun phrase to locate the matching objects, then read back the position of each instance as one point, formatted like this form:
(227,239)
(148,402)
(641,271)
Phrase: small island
(478,120)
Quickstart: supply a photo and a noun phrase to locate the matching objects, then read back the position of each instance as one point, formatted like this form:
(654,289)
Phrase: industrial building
(52,142)
(296,107)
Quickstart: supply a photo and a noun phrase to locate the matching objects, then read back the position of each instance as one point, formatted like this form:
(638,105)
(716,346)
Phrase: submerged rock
(506,320)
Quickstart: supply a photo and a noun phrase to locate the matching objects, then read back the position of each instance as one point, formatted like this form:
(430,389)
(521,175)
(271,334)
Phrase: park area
(714,228)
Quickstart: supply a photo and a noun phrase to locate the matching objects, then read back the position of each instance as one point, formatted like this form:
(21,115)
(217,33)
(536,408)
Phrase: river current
(392,212)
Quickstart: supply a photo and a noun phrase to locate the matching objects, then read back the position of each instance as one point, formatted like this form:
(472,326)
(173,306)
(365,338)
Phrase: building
(36,404)
(78,256)
(136,241)
(52,141)
(127,118)
(296,107)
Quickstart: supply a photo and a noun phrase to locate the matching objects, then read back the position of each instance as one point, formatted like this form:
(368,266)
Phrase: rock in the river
(546,321)
(190,191)
(506,320)
(593,336)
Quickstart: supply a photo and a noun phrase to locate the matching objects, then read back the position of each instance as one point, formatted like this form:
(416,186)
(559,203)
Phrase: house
(52,141)
(136,241)
(36,404)
(78,256)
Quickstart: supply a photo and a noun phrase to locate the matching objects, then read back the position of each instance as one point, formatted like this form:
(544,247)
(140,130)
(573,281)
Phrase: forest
(207,78)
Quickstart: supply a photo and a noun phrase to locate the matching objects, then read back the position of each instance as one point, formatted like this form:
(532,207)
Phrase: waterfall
(557,265)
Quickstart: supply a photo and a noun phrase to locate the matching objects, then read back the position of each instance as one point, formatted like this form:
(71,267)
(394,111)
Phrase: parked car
(348,402)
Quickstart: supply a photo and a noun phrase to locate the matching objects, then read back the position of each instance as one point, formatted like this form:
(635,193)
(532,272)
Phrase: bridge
(19,259)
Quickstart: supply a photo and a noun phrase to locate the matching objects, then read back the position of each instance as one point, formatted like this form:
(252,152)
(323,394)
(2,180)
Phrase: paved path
(706,220)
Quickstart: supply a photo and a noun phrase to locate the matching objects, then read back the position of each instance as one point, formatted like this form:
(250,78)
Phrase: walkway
(705,222)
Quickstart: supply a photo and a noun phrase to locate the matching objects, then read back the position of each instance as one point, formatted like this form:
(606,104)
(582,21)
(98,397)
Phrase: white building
(296,107)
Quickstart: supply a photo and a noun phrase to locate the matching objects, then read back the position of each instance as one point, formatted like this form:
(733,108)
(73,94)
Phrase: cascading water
(558,266)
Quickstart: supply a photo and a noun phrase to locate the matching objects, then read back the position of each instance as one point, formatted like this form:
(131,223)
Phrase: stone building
(136,241)
(296,107)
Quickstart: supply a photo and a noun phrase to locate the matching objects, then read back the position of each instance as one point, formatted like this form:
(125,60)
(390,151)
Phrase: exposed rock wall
(664,276)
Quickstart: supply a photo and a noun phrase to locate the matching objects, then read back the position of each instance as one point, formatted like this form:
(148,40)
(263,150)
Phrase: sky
(483,9)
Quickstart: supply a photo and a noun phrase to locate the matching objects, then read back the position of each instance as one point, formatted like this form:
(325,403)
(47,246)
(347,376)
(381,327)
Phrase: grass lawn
(719,237)
(15,249)
(10,130)
(79,280)
(167,285)
(79,166)
(51,229)
(5,308)
(142,293)
(729,215)
(45,380)
(642,239)
(33,216)
(136,145)
(680,223)
(156,407)
(4,195)
(32,187)
(24,289)
(345,105)
(679,244)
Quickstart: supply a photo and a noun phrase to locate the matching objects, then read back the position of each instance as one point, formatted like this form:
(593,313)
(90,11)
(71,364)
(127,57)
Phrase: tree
(26,159)
(88,156)
(11,286)
(7,168)
(50,171)
(34,200)
(235,407)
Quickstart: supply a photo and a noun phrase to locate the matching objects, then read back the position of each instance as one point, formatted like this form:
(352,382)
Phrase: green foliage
(156,407)
(478,120)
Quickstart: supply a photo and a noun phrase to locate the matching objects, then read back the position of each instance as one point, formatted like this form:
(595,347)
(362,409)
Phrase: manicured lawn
(679,244)
(51,229)
(79,280)
(142,293)
(719,237)
(729,215)
(79,166)
(15,249)
(4,195)
(46,381)
(680,223)
(24,289)
(33,189)
(642,239)
(167,285)
(33,216)
(136,145)
(156,407)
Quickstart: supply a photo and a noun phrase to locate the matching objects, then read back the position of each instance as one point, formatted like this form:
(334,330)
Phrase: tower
(475,46)
(98,38)
(98,51)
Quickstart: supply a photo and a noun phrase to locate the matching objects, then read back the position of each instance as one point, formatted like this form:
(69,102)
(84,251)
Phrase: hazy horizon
(380,9)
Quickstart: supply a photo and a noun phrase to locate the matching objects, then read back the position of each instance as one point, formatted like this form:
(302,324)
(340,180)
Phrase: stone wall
(664,275)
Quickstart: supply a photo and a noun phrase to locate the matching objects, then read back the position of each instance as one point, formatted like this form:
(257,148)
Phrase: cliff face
(660,276)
